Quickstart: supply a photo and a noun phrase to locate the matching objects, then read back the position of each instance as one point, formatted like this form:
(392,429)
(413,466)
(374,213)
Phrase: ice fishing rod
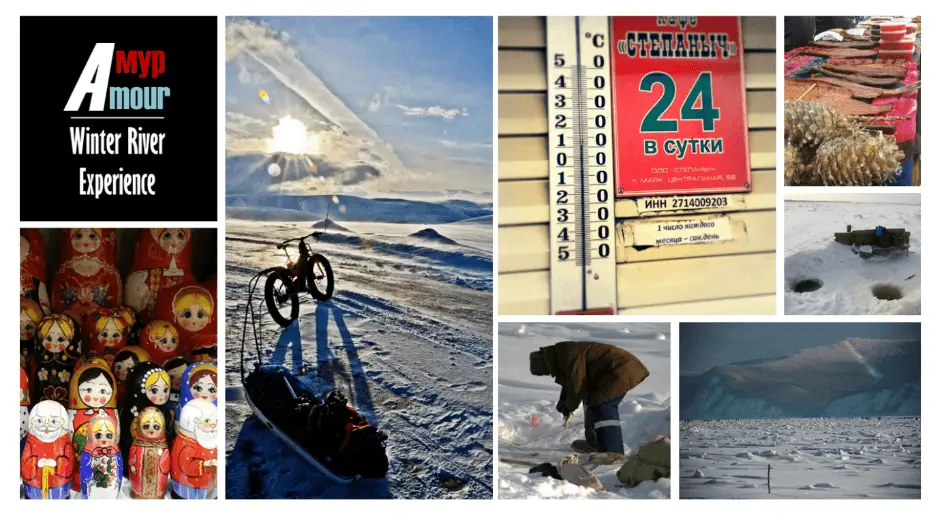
(580,166)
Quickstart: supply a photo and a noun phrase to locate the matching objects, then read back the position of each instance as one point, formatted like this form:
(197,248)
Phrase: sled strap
(289,386)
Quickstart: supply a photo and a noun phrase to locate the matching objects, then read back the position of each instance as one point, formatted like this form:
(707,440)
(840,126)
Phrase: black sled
(332,436)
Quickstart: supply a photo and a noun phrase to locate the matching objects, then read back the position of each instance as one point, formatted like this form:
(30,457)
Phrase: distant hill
(329,225)
(854,377)
(432,235)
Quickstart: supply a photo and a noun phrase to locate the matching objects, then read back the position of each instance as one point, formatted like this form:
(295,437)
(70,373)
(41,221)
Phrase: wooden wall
(735,277)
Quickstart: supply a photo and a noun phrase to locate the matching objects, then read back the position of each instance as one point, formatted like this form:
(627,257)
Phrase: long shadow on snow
(260,468)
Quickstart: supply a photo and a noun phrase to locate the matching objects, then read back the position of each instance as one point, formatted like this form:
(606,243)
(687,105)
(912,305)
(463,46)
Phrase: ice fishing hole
(884,291)
(807,285)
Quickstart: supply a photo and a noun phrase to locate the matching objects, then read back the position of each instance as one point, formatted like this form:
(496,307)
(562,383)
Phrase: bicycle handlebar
(284,243)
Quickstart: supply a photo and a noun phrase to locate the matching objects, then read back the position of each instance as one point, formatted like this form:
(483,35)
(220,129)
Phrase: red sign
(679,105)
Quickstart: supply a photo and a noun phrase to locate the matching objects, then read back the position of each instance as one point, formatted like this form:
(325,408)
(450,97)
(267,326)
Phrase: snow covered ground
(877,457)
(847,281)
(407,335)
(530,428)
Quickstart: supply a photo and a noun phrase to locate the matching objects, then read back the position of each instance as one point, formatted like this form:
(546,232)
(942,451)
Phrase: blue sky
(703,346)
(411,96)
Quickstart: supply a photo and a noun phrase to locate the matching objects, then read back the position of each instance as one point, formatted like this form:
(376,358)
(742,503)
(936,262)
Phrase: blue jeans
(602,426)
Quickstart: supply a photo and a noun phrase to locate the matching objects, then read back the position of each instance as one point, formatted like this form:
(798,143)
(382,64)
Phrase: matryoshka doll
(126,359)
(134,325)
(147,385)
(192,310)
(30,314)
(161,341)
(175,368)
(47,461)
(91,394)
(33,268)
(161,261)
(149,458)
(107,332)
(193,458)
(87,278)
(100,468)
(55,358)
(24,408)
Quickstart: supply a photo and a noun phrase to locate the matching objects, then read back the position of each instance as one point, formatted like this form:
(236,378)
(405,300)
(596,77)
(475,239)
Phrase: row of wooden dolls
(51,346)
(160,283)
(163,432)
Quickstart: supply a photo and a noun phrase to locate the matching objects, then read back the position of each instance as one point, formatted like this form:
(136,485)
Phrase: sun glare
(290,136)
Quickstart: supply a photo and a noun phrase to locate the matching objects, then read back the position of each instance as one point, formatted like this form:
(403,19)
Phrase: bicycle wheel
(320,278)
(282,303)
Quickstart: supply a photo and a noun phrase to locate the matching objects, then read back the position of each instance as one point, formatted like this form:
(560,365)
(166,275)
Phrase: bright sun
(290,136)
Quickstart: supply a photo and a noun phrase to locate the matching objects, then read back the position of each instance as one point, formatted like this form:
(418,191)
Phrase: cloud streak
(246,39)
(447,114)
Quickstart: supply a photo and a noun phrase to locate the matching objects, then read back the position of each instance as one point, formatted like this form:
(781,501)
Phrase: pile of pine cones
(825,148)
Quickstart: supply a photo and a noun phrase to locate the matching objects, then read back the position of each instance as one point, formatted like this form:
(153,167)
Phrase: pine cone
(809,123)
(793,167)
(860,159)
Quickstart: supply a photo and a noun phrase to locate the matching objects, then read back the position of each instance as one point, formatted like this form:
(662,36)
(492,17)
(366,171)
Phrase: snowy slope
(407,335)
(350,208)
(875,457)
(810,252)
(645,412)
(850,378)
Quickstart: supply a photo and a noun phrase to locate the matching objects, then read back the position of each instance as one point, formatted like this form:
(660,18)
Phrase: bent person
(596,375)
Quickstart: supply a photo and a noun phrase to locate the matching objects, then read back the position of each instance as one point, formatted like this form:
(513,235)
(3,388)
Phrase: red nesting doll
(106,332)
(161,261)
(192,310)
(87,278)
(149,458)
(161,341)
(33,268)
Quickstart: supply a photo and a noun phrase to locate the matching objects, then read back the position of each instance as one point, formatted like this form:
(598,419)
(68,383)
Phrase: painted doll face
(55,340)
(193,318)
(110,336)
(173,240)
(27,326)
(85,241)
(151,428)
(96,392)
(168,342)
(204,389)
(104,438)
(175,376)
(122,368)
(159,392)
(48,423)
(24,248)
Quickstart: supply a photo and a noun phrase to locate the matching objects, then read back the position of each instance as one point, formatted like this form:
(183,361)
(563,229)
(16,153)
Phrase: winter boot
(584,446)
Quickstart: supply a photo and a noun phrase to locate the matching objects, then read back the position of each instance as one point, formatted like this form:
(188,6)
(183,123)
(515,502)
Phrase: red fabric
(188,463)
(904,105)
(60,450)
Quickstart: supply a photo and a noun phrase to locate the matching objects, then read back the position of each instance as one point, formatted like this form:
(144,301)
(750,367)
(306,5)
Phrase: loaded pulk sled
(331,435)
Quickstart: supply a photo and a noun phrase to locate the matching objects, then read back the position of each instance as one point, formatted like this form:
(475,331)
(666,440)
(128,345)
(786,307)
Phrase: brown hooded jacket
(591,372)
